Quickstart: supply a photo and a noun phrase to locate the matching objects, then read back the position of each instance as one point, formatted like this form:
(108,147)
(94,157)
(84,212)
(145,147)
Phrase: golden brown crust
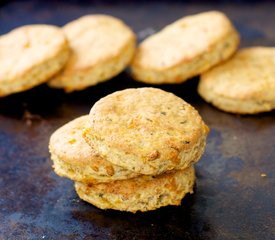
(102,47)
(185,48)
(143,193)
(29,56)
(146,130)
(244,85)
(75,159)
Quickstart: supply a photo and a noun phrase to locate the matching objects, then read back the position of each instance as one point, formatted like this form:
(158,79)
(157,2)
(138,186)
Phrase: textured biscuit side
(99,73)
(102,47)
(146,130)
(185,49)
(32,59)
(89,174)
(243,85)
(73,158)
(143,193)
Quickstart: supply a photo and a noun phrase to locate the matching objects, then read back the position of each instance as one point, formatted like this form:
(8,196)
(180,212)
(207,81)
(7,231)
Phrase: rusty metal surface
(231,201)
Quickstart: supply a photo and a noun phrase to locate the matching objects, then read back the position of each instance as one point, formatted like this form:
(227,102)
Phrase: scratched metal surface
(231,200)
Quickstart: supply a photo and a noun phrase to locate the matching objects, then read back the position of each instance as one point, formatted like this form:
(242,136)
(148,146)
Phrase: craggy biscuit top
(68,144)
(27,47)
(75,159)
(250,74)
(148,125)
(182,40)
(94,39)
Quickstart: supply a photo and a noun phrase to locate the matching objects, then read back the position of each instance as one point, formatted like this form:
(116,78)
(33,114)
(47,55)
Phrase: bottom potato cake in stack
(142,193)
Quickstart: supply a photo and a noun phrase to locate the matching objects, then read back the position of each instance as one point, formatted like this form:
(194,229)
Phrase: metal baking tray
(235,189)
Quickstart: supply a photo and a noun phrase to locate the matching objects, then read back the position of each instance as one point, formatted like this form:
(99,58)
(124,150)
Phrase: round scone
(29,56)
(143,193)
(73,158)
(102,47)
(146,130)
(185,49)
(244,85)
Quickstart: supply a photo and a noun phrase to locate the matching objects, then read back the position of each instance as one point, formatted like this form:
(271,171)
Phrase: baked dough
(73,158)
(102,46)
(29,56)
(243,85)
(143,193)
(146,130)
(185,48)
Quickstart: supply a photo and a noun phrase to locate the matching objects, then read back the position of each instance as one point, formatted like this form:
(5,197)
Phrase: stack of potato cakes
(134,152)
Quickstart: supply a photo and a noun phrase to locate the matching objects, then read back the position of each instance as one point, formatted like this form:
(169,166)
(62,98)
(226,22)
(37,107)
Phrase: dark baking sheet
(231,201)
